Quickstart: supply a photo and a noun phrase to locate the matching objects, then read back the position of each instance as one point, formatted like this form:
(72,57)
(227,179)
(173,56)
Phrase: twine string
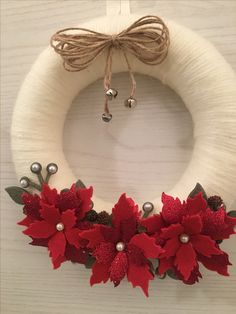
(147,39)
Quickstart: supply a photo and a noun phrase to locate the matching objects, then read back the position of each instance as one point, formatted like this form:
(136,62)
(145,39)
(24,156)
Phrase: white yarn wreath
(193,69)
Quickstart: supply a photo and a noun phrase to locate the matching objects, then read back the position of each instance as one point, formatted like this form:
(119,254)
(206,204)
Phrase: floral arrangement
(126,243)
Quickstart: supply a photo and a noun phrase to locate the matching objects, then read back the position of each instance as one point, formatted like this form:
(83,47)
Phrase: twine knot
(147,39)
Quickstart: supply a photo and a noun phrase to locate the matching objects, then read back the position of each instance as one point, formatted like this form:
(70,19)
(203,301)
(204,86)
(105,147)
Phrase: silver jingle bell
(130,102)
(106,117)
(111,93)
(36,167)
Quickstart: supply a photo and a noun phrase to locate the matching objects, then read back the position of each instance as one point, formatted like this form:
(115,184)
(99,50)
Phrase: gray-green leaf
(90,261)
(15,194)
(198,188)
(171,274)
(80,185)
(232,213)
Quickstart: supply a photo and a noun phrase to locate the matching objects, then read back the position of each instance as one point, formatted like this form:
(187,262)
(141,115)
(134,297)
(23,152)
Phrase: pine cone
(91,215)
(214,202)
(104,218)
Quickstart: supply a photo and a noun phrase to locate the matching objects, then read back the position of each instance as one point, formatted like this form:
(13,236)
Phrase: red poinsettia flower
(73,198)
(58,228)
(187,232)
(72,205)
(120,250)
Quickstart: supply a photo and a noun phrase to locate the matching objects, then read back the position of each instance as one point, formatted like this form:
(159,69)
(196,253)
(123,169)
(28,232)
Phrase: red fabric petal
(135,255)
(50,214)
(118,268)
(85,196)
(185,260)
(110,234)
(172,231)
(105,253)
(31,205)
(205,245)
(193,278)
(140,276)
(125,209)
(26,221)
(76,255)
(217,224)
(171,247)
(68,218)
(152,224)
(100,272)
(94,236)
(72,236)
(172,209)
(57,262)
(192,224)
(147,245)
(197,204)
(127,229)
(40,229)
(164,265)
(68,200)
(57,245)
(39,242)
(218,263)
(49,195)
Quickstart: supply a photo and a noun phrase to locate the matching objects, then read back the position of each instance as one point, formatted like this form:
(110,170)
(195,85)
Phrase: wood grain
(143,152)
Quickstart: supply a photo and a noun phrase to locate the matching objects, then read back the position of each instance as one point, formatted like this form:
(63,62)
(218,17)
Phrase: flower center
(120,246)
(184,238)
(60,226)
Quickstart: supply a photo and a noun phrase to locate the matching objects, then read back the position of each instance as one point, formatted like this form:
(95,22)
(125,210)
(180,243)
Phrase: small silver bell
(111,93)
(106,117)
(130,102)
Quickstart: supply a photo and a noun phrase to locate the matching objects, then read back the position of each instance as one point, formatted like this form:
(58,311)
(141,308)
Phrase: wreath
(128,242)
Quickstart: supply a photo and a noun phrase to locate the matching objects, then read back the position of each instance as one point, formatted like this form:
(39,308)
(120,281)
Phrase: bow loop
(147,39)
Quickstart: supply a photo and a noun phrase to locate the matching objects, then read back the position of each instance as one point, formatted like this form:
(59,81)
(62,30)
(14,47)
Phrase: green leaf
(90,261)
(232,213)
(15,194)
(198,188)
(80,185)
(171,274)
(154,263)
(65,190)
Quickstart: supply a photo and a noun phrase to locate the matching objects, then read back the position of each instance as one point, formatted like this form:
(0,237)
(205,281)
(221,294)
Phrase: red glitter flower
(187,232)
(120,250)
(47,213)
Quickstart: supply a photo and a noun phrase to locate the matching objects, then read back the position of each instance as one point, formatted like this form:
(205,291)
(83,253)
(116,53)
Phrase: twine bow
(147,39)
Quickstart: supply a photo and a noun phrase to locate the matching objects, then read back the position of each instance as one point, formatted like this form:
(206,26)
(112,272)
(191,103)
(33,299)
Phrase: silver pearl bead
(36,167)
(52,168)
(106,117)
(148,207)
(111,93)
(120,246)
(130,102)
(60,226)
(184,238)
(24,182)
